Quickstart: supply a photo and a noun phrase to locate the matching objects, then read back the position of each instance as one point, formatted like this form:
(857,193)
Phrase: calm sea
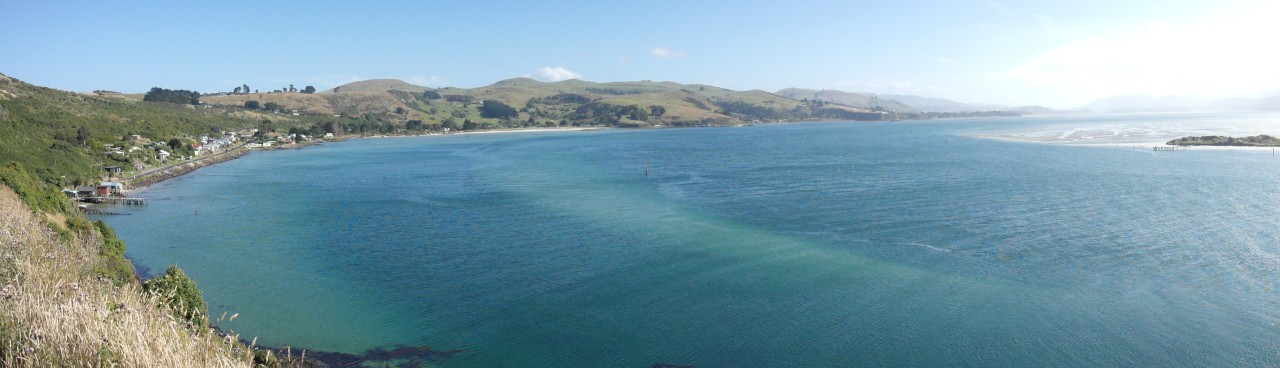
(792,245)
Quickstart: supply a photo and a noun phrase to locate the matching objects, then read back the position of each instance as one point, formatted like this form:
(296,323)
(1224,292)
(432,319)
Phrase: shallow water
(830,244)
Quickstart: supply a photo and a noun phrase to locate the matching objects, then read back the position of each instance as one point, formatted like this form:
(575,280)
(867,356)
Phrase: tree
(272,106)
(174,144)
(333,127)
(497,110)
(309,90)
(413,125)
(252,104)
(657,110)
(291,89)
(400,111)
(449,123)
(237,91)
(468,125)
(245,89)
(639,114)
(431,95)
(180,294)
(82,135)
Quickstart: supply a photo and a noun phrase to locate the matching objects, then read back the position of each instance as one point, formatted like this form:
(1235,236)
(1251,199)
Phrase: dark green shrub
(180,293)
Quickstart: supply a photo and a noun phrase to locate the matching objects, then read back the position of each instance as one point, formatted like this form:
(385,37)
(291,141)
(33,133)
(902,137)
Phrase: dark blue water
(802,245)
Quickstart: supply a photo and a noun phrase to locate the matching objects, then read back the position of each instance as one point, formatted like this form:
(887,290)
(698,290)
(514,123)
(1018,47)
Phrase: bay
(786,245)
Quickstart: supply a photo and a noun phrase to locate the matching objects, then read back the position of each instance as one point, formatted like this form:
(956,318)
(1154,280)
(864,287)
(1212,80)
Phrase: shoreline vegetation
(1224,141)
(170,172)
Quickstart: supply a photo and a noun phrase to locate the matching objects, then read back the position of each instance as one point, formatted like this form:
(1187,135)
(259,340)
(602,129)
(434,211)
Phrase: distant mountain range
(908,104)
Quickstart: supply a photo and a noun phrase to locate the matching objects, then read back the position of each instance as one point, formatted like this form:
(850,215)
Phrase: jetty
(128,201)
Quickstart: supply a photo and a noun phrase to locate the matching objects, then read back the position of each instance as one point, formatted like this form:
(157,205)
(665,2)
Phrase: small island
(1216,140)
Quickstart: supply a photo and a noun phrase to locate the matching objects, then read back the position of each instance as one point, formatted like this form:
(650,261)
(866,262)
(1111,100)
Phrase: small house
(114,170)
(85,191)
(162,155)
(107,188)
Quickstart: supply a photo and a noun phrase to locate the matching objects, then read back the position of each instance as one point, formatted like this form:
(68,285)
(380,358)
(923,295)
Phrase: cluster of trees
(748,110)
(614,91)
(80,138)
(497,110)
(563,98)
(608,114)
(270,106)
(178,96)
(244,90)
(1217,140)
(459,98)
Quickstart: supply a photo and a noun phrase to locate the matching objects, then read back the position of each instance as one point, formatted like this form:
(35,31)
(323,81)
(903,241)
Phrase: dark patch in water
(410,356)
(143,272)
(404,356)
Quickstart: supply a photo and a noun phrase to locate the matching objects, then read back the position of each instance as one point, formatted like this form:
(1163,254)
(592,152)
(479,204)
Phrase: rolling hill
(377,85)
(858,100)
(570,102)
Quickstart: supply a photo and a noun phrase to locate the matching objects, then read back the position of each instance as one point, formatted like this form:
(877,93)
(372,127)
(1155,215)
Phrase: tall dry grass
(54,312)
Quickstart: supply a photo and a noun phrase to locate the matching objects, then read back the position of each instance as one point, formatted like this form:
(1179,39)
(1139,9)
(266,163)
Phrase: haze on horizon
(1055,54)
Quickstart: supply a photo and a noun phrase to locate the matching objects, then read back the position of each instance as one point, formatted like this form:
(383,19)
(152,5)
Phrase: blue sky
(1054,53)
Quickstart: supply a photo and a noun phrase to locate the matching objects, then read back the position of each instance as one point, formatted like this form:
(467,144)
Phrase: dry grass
(55,312)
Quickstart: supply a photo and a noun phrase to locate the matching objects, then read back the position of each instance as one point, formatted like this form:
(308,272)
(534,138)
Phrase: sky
(1060,54)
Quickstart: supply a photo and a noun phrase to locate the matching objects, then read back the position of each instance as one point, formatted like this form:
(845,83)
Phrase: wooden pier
(118,200)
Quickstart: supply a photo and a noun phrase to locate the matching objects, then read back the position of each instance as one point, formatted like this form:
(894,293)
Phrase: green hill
(63,136)
(859,100)
(60,135)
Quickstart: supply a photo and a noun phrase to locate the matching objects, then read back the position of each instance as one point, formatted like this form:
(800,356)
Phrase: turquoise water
(800,245)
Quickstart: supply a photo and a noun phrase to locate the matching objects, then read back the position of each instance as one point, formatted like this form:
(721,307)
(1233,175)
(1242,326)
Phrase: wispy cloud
(1008,11)
(1223,55)
(665,53)
(1004,9)
(553,74)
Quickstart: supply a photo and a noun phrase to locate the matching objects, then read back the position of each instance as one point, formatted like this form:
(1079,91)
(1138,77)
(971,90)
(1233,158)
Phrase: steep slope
(61,135)
(57,310)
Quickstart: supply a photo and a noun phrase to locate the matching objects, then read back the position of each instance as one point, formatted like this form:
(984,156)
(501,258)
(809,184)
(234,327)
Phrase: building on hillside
(114,170)
(162,155)
(85,191)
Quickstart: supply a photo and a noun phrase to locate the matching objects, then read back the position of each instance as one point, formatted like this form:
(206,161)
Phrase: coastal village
(143,161)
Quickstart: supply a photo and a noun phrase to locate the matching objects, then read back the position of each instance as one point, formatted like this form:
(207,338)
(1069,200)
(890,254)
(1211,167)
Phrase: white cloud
(553,74)
(1226,55)
(665,53)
